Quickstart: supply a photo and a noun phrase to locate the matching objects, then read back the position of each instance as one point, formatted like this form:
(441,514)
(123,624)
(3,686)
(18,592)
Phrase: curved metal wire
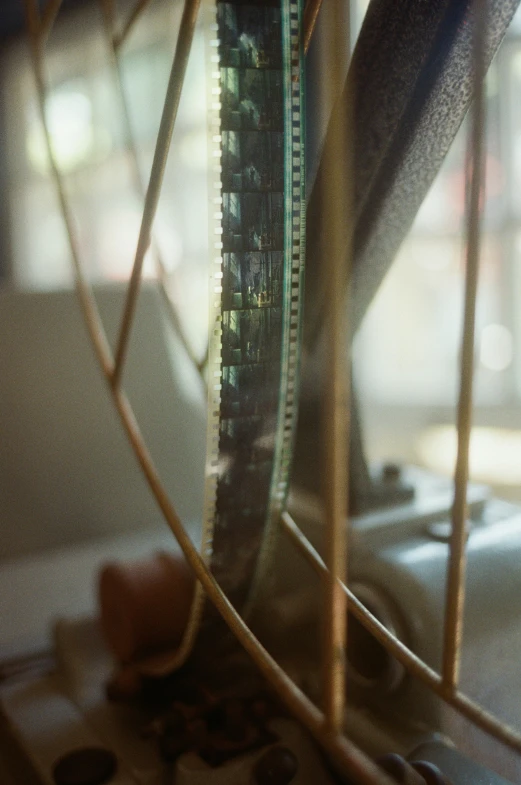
(311,12)
(120,38)
(164,137)
(325,727)
(455,600)
(337,206)
(115,43)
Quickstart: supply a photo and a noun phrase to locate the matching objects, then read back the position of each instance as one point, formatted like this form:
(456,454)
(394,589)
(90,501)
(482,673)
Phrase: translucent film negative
(254,363)
(257,230)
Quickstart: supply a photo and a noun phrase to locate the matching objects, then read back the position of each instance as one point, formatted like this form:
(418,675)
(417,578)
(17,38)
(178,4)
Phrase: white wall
(67,472)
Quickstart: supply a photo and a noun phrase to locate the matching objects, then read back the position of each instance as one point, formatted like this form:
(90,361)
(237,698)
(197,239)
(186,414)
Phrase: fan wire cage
(326,723)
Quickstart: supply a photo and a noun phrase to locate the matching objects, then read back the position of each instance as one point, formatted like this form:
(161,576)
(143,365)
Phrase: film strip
(258,243)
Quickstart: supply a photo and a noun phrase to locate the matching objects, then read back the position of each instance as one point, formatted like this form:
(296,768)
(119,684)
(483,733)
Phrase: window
(407,352)
(414,358)
(84,114)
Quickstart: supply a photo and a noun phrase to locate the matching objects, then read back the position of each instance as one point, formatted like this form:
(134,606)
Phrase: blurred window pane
(407,352)
(85,118)
(408,349)
(515,26)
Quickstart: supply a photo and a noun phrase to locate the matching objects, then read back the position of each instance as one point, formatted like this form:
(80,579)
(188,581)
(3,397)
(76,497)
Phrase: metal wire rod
(402,653)
(464,705)
(50,12)
(108,19)
(32,19)
(335,462)
(136,12)
(455,596)
(203,362)
(336,205)
(311,11)
(175,84)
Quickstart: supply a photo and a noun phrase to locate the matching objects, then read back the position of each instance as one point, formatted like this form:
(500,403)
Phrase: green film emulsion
(257,200)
